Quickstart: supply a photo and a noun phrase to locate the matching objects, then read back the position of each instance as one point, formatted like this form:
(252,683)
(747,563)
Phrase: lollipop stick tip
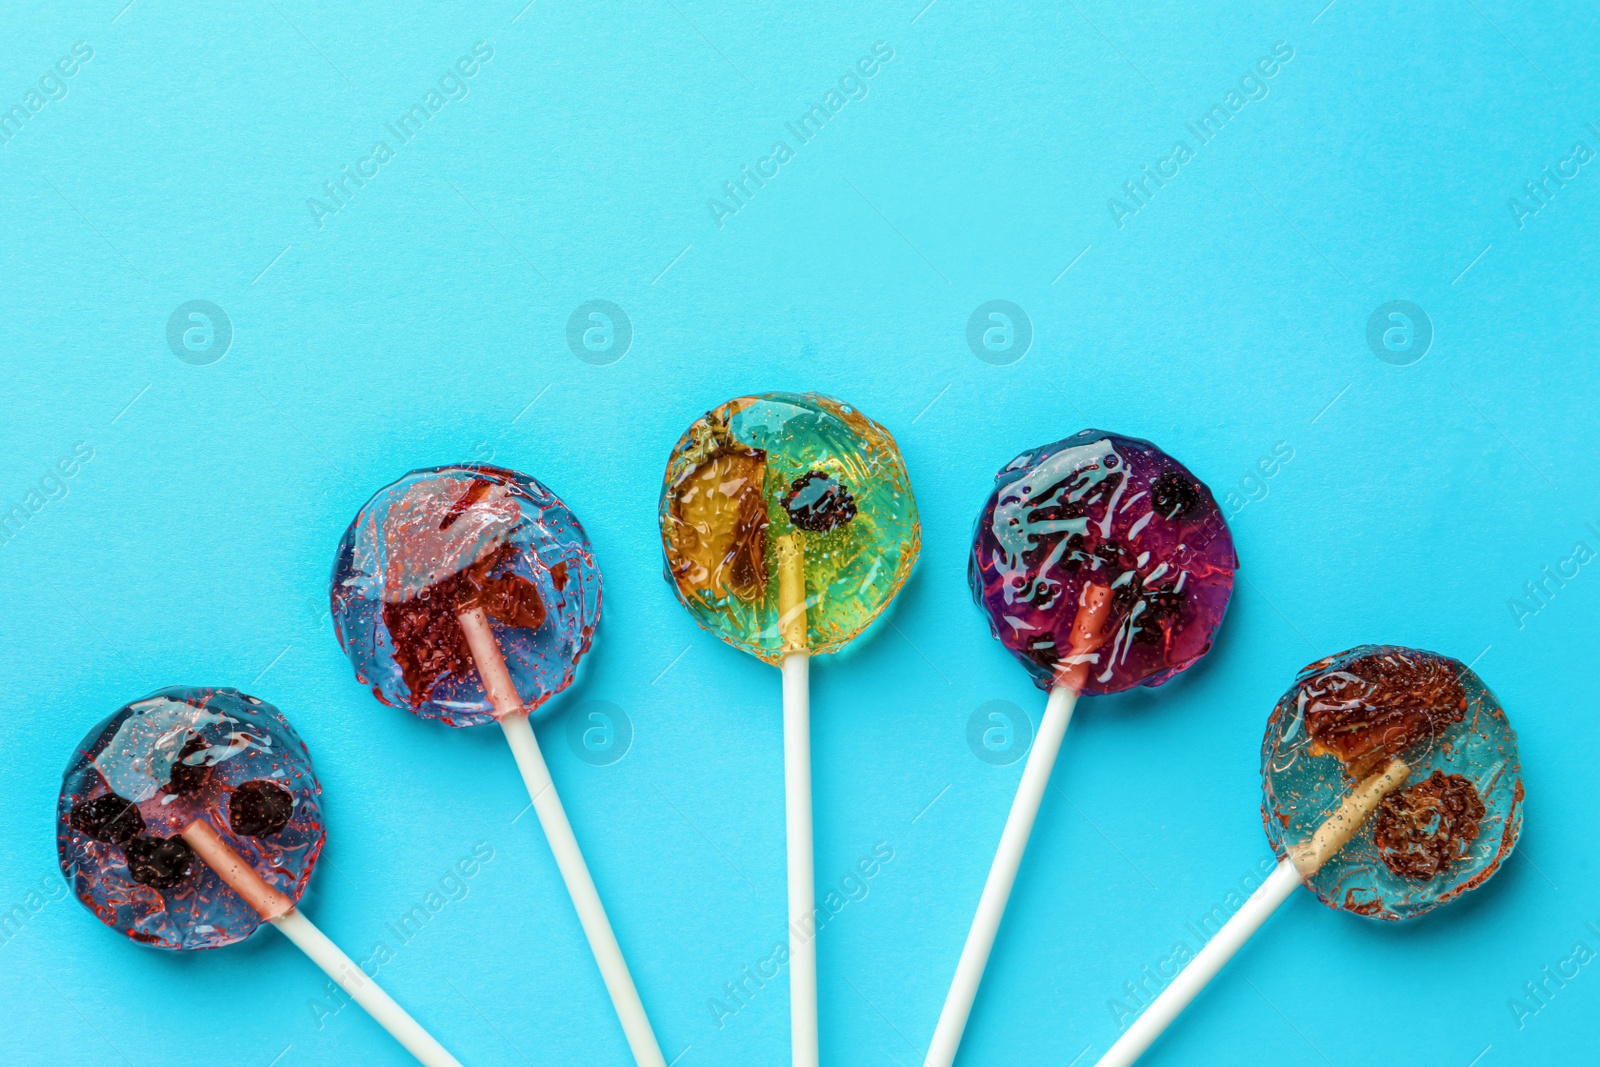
(791,550)
(1337,830)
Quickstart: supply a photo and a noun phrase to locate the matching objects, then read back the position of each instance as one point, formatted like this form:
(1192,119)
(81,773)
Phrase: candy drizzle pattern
(1109,511)
(156,765)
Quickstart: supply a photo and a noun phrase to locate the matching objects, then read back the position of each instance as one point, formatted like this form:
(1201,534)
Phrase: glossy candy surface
(791,466)
(1450,825)
(1099,509)
(153,767)
(441,541)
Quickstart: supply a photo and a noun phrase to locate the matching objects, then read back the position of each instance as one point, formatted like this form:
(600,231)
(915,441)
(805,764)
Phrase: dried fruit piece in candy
(428,640)
(260,808)
(1421,830)
(109,819)
(159,862)
(1459,816)
(155,768)
(1370,709)
(439,528)
(440,541)
(716,533)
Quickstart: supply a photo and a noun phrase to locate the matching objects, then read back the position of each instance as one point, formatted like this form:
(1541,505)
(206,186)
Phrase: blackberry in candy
(1045,653)
(109,819)
(159,862)
(1173,495)
(1098,512)
(1044,594)
(1160,606)
(819,503)
(189,778)
(1109,553)
(260,808)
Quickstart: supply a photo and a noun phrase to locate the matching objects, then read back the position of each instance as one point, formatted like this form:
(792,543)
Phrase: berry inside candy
(1173,495)
(260,808)
(159,862)
(1421,830)
(1112,513)
(818,503)
(109,819)
(189,778)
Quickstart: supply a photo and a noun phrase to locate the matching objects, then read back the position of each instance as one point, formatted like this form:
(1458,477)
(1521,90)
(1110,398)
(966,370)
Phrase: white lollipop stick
(1303,861)
(1092,610)
(797,801)
(502,694)
(280,911)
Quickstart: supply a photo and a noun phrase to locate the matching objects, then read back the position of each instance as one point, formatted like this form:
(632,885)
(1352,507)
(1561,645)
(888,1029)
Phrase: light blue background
(426,323)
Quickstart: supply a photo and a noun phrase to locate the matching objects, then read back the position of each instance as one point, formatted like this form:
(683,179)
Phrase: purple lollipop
(1102,564)
(188,818)
(1101,510)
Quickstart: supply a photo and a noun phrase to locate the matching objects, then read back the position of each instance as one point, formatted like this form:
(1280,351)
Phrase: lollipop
(788,526)
(189,817)
(1102,564)
(469,594)
(1390,786)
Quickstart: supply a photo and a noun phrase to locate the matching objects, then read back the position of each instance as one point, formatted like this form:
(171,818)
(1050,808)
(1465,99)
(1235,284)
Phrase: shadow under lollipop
(141,802)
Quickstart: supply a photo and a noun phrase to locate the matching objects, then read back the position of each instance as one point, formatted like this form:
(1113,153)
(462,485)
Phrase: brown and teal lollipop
(1390,785)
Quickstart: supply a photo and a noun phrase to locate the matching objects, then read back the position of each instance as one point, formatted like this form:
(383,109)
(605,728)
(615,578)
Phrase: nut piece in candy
(1421,830)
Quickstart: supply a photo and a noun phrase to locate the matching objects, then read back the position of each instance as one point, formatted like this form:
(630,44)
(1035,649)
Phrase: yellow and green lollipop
(788,526)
